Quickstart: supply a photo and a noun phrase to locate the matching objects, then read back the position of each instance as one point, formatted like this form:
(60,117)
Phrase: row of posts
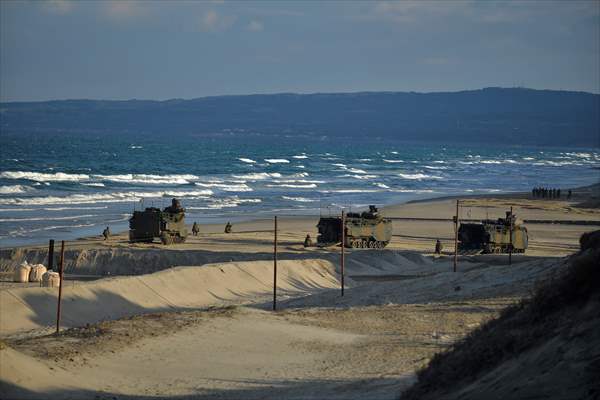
(60,275)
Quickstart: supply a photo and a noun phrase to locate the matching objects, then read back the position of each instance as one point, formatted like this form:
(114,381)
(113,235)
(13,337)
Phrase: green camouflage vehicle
(168,225)
(493,236)
(362,230)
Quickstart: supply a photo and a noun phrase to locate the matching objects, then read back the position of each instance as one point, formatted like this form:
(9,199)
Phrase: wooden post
(342,250)
(456,237)
(51,254)
(60,284)
(510,247)
(275,267)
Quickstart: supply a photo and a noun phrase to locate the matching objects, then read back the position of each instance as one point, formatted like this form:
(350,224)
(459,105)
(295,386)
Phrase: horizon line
(304,94)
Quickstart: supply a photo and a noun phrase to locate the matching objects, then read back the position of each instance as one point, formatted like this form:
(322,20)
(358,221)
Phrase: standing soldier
(438,247)
(106,233)
(228,227)
(195,229)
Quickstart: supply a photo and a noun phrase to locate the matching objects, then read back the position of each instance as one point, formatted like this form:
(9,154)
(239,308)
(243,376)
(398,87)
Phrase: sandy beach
(194,320)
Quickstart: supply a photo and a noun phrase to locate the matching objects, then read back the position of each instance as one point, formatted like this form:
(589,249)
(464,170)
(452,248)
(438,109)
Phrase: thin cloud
(212,21)
(61,7)
(123,9)
(255,26)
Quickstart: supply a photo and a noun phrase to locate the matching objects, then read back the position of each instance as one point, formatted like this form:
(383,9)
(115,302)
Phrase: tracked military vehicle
(168,225)
(493,236)
(362,230)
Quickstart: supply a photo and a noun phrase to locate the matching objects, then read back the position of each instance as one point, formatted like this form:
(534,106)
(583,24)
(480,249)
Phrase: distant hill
(491,115)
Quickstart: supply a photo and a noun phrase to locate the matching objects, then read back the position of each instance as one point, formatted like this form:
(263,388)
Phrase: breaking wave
(277,160)
(14,189)
(418,176)
(101,198)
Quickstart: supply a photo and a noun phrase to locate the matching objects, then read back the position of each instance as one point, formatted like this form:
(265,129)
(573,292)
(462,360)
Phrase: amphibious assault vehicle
(493,236)
(168,225)
(362,230)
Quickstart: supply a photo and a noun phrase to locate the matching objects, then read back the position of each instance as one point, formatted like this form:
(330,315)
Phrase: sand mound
(544,347)
(182,287)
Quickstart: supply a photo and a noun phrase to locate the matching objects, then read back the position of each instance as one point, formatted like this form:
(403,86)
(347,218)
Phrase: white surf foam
(102,198)
(259,176)
(239,187)
(308,186)
(418,176)
(298,199)
(393,161)
(14,189)
(146,179)
(277,160)
(44,177)
(48,218)
(300,157)
(247,160)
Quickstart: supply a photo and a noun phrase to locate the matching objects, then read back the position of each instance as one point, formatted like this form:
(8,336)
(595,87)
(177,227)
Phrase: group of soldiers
(548,193)
(196,228)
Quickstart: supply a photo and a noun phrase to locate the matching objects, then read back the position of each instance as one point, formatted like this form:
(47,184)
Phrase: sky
(186,49)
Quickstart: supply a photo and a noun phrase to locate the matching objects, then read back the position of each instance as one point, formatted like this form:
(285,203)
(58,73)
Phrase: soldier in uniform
(195,229)
(106,233)
(175,207)
(438,247)
(228,227)
(308,241)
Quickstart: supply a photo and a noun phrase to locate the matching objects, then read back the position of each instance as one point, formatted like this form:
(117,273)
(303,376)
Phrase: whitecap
(393,161)
(94,184)
(277,160)
(298,199)
(44,177)
(381,185)
(300,157)
(240,187)
(247,160)
(258,176)
(418,176)
(308,186)
(14,189)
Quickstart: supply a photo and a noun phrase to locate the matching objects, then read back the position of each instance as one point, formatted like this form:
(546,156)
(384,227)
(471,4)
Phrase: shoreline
(580,194)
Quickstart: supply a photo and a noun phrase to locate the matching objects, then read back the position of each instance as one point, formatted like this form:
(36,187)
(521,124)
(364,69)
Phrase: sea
(68,186)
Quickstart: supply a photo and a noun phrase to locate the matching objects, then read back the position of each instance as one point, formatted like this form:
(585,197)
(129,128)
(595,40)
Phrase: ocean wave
(247,160)
(44,177)
(259,176)
(362,177)
(381,185)
(351,191)
(277,161)
(393,161)
(528,158)
(436,168)
(491,162)
(148,179)
(285,185)
(300,157)
(136,147)
(94,184)
(364,159)
(48,218)
(101,198)
(418,176)
(297,181)
(394,152)
(14,189)
(240,187)
(299,199)
(230,202)
(339,165)
(357,171)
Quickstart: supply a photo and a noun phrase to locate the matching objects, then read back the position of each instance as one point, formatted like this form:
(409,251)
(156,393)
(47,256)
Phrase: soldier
(308,241)
(175,207)
(228,227)
(569,193)
(438,247)
(558,193)
(195,229)
(106,233)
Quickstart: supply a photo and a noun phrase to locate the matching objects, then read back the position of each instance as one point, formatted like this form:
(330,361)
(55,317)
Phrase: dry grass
(553,307)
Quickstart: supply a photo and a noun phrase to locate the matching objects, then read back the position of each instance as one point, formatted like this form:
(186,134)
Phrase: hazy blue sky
(170,49)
